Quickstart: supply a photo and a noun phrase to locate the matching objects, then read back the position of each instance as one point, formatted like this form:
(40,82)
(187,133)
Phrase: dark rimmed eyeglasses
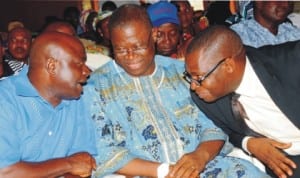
(139,50)
(187,77)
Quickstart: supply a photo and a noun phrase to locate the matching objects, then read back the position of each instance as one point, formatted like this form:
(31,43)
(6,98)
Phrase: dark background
(32,12)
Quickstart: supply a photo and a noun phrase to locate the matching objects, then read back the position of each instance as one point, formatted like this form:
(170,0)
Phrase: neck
(271,26)
(41,84)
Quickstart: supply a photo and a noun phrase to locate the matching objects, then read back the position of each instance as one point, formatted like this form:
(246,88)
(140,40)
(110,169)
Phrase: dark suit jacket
(278,68)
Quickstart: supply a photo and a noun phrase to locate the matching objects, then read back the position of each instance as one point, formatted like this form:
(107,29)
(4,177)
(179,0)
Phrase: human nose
(166,39)
(130,53)
(86,71)
(193,86)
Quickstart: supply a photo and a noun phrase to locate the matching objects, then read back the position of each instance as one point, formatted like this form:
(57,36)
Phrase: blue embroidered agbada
(153,118)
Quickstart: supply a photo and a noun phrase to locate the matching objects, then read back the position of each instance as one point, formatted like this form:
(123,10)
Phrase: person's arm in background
(80,164)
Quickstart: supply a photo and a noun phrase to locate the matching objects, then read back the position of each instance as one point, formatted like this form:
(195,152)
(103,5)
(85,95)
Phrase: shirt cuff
(244,144)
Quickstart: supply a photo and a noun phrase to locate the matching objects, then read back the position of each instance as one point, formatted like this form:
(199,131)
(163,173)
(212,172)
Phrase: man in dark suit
(267,83)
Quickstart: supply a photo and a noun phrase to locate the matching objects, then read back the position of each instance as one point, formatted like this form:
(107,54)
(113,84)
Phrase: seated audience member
(71,15)
(14,24)
(108,6)
(163,16)
(185,14)
(102,30)
(60,26)
(240,10)
(147,124)
(1,56)
(253,95)
(269,25)
(89,19)
(45,130)
(217,12)
(19,41)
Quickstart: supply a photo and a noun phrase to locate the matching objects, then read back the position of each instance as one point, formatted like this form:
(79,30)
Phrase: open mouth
(82,83)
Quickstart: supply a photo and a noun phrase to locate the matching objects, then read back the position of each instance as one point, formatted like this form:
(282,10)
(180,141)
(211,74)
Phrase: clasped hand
(269,152)
(82,164)
(189,166)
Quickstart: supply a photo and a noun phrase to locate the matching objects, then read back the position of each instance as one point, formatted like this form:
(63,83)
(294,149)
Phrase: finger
(84,175)
(288,170)
(280,145)
(195,173)
(276,169)
(176,168)
(180,172)
(189,172)
(94,164)
(281,159)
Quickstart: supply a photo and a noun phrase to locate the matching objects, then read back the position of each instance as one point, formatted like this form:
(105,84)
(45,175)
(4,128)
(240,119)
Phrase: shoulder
(287,47)
(243,24)
(167,61)
(106,68)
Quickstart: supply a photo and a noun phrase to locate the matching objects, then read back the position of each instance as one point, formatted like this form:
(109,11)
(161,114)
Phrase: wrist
(163,170)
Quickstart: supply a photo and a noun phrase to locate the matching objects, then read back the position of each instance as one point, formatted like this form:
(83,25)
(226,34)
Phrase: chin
(208,98)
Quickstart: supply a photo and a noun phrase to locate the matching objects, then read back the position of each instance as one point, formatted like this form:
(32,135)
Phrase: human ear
(51,66)
(230,65)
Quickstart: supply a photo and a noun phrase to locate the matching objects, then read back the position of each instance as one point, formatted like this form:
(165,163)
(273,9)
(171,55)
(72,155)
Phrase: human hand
(82,164)
(70,176)
(268,151)
(190,165)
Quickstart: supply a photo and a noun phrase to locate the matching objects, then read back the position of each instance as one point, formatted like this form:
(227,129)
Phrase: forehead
(201,60)
(73,53)
(19,33)
(131,31)
(183,5)
(170,26)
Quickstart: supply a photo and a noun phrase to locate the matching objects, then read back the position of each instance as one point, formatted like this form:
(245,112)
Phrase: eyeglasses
(137,50)
(187,77)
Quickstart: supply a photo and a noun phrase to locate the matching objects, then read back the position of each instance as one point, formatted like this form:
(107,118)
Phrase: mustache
(20,50)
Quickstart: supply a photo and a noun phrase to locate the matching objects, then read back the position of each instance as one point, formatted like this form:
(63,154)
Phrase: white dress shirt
(264,116)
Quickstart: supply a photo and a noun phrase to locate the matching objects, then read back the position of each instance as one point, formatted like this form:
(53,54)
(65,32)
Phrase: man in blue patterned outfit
(269,24)
(147,124)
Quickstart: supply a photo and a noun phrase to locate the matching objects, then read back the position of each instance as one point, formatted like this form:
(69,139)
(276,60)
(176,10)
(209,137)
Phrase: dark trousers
(296,172)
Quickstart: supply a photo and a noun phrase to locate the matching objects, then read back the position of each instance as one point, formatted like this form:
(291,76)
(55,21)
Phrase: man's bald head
(219,55)
(216,39)
(57,66)
(51,45)
(60,26)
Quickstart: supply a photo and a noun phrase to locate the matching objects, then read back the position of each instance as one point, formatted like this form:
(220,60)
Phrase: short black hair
(71,10)
(109,5)
(128,13)
(214,36)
